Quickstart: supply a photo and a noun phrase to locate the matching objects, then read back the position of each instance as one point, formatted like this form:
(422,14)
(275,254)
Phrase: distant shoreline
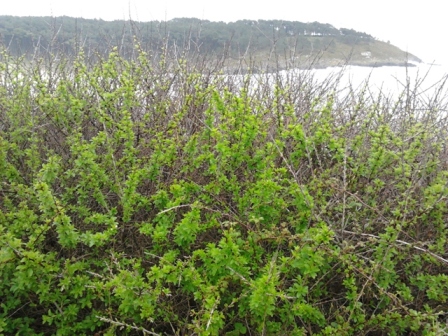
(320,66)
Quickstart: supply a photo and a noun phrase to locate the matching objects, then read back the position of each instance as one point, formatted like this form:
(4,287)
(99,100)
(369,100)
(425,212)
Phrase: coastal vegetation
(154,194)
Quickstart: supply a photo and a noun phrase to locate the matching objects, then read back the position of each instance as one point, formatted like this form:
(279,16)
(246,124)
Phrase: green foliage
(141,197)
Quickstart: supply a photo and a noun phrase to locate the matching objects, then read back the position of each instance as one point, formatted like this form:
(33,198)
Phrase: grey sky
(417,29)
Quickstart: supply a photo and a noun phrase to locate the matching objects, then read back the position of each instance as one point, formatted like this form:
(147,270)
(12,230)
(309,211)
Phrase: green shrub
(142,197)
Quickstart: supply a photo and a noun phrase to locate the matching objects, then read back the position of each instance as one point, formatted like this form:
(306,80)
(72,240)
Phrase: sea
(423,79)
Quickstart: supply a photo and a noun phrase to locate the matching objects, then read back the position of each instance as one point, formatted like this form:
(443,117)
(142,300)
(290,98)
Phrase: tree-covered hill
(304,44)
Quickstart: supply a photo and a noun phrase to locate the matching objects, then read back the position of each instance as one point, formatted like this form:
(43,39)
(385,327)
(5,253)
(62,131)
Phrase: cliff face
(334,52)
(374,53)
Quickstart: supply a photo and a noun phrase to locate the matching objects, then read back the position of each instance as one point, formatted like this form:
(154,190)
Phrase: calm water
(425,79)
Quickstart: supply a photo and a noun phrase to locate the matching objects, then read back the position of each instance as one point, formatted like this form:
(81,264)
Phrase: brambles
(165,199)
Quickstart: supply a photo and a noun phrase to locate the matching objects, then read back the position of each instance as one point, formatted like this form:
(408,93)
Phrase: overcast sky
(420,30)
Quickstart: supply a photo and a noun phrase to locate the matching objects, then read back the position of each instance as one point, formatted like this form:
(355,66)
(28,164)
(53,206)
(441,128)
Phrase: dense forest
(28,35)
(27,32)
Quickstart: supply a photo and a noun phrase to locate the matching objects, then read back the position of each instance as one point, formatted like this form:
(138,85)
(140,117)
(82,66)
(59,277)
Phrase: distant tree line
(26,35)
